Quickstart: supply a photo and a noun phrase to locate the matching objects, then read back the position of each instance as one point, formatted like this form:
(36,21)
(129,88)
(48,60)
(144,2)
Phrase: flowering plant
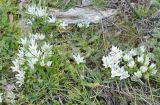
(135,63)
(34,51)
(37,14)
(38,70)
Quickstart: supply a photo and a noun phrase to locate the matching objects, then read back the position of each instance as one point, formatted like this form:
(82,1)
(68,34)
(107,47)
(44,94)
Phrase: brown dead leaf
(10,17)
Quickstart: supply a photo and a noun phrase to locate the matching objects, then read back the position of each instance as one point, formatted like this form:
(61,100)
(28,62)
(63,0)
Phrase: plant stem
(150,90)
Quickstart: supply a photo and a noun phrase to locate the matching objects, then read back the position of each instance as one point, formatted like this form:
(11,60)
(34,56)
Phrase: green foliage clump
(8,33)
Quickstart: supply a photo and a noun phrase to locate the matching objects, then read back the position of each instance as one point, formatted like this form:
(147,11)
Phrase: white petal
(49,63)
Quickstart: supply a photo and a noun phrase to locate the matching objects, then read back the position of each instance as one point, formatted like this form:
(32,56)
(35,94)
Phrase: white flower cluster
(34,50)
(135,63)
(42,12)
(112,61)
(37,11)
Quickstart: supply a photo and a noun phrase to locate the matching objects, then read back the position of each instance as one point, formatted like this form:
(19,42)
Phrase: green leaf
(156,35)
(92,85)
(94,38)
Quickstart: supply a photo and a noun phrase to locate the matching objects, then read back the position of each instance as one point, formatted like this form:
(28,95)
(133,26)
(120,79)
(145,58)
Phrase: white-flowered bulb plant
(34,50)
(125,64)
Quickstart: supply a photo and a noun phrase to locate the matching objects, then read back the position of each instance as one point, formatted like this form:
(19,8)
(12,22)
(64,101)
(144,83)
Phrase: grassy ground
(65,82)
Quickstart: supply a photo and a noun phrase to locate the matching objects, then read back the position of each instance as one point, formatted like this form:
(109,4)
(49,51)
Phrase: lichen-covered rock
(78,15)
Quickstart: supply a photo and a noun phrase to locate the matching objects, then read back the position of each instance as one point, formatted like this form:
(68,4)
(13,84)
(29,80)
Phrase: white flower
(152,66)
(78,59)
(115,51)
(127,57)
(32,62)
(17,62)
(36,53)
(86,24)
(63,25)
(143,69)
(1,97)
(52,19)
(153,72)
(42,63)
(39,36)
(33,45)
(124,74)
(133,52)
(31,10)
(32,41)
(146,63)
(113,58)
(153,69)
(41,12)
(20,73)
(20,53)
(33,49)
(131,64)
(140,59)
(20,77)
(142,49)
(23,41)
(83,24)
(110,61)
(116,71)
(105,61)
(49,63)
(46,46)
(80,25)
(16,66)
(138,74)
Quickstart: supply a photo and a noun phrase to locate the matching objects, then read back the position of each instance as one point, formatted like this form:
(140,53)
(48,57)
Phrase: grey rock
(78,15)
